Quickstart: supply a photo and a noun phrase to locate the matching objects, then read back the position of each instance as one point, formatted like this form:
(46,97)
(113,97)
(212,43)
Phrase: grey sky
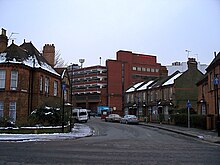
(99,28)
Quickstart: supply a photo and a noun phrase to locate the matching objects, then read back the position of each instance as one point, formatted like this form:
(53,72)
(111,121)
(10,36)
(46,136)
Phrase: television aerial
(10,37)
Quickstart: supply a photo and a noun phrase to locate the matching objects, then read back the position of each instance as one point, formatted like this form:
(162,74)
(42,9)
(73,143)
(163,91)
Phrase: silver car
(129,119)
(113,118)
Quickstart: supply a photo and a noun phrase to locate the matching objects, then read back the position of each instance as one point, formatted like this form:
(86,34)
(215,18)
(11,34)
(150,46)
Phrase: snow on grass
(79,130)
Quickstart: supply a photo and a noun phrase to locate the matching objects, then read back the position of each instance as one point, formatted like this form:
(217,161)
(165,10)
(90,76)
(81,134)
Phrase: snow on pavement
(79,130)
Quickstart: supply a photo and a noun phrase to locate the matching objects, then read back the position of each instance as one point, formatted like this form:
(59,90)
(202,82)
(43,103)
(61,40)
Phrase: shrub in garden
(46,116)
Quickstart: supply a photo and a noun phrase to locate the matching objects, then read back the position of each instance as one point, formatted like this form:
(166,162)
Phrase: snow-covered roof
(19,55)
(171,80)
(134,87)
(145,85)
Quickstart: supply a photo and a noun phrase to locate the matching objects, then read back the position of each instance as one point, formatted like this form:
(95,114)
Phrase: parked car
(129,119)
(113,118)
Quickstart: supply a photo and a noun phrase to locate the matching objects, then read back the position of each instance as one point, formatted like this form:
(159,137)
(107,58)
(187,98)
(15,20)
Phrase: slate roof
(215,60)
(28,55)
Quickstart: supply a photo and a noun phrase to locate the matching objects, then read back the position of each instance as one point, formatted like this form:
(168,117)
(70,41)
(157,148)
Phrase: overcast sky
(91,29)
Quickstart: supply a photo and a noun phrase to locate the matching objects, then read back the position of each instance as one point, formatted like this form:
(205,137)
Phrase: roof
(26,54)
(217,58)
(172,79)
(134,87)
(143,87)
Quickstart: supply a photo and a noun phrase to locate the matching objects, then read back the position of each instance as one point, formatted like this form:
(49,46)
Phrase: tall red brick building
(128,69)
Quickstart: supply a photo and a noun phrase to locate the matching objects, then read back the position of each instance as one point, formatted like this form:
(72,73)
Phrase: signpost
(188,105)
(63,90)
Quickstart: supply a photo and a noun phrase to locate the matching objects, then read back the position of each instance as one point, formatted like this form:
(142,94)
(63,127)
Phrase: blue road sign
(216,81)
(63,87)
(188,104)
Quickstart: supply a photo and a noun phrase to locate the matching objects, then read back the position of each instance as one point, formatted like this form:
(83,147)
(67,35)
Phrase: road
(114,143)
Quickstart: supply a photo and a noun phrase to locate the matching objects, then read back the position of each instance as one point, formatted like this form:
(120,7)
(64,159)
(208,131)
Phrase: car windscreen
(82,113)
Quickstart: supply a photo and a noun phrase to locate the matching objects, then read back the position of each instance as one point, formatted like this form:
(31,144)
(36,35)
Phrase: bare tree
(59,62)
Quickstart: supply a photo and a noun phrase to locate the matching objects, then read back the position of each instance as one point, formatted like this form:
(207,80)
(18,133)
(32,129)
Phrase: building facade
(128,69)
(89,86)
(208,97)
(27,80)
(164,95)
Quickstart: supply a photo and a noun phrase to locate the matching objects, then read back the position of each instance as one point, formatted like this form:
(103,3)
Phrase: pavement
(206,135)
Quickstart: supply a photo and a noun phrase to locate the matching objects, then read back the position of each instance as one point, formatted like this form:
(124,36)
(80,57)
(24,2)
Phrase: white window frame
(55,87)
(14,79)
(41,83)
(47,85)
(12,111)
(1,109)
(2,79)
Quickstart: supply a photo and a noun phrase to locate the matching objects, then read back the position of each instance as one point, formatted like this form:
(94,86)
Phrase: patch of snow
(79,130)
(48,113)
(201,137)
(171,80)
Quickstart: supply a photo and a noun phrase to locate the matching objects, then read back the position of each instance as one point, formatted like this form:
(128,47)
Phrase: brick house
(165,94)
(27,79)
(208,96)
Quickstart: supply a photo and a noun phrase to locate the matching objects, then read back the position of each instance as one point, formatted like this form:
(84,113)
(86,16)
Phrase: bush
(198,121)
(180,119)
(46,116)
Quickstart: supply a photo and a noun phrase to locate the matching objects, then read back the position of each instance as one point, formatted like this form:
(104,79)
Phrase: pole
(63,114)
(63,90)
(188,117)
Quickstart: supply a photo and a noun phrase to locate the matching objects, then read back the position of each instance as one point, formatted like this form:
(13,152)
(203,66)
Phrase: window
(14,79)
(47,85)
(134,68)
(139,68)
(148,69)
(156,70)
(152,70)
(12,111)
(211,81)
(1,109)
(41,84)
(144,69)
(2,79)
(55,88)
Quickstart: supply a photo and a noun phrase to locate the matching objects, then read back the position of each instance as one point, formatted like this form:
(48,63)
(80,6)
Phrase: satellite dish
(81,61)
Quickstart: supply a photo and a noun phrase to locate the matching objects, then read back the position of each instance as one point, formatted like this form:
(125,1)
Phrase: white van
(80,115)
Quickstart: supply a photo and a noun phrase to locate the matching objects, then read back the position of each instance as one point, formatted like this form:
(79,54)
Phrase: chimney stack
(192,64)
(49,53)
(3,41)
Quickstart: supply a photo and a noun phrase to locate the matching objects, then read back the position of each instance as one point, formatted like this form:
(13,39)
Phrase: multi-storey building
(182,67)
(100,85)
(88,86)
(128,69)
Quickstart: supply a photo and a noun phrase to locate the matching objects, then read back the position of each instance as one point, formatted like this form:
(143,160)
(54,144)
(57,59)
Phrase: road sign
(188,104)
(216,81)
(63,87)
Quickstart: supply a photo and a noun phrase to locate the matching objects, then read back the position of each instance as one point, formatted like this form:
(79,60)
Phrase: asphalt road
(114,143)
